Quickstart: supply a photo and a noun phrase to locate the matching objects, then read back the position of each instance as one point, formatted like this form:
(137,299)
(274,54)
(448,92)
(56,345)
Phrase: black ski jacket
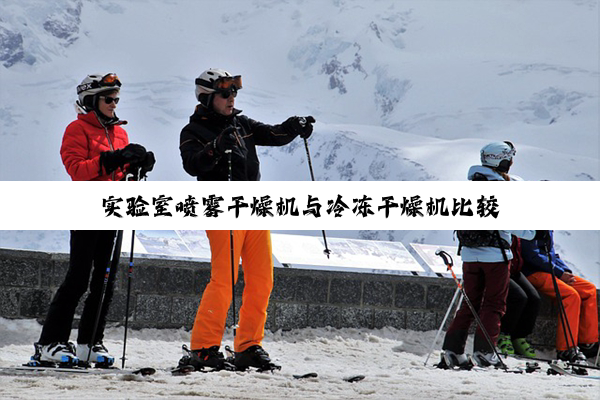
(202,160)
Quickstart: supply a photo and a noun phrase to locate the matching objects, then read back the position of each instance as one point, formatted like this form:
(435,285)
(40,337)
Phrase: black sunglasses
(109,100)
(229,92)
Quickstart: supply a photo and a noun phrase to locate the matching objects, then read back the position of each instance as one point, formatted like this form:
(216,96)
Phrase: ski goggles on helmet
(503,154)
(108,80)
(513,151)
(222,84)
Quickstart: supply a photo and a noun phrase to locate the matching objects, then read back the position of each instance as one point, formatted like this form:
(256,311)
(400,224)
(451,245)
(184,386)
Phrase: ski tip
(355,378)
(309,375)
(183,370)
(144,371)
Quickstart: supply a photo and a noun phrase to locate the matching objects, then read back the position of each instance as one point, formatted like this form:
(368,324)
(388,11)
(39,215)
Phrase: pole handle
(446,257)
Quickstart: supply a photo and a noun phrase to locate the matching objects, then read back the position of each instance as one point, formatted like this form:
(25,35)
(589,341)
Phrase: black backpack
(482,239)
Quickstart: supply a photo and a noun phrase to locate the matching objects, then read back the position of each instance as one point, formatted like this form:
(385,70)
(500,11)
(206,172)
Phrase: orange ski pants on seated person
(254,247)
(581,306)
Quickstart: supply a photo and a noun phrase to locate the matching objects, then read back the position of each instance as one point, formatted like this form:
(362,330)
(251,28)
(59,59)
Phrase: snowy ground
(392,361)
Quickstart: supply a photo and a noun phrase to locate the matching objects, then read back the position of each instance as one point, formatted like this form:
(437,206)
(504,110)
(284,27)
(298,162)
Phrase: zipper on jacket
(113,174)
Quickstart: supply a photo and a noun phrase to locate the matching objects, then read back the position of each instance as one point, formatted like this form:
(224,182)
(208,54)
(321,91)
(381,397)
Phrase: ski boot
(589,350)
(572,355)
(254,356)
(505,344)
(54,355)
(205,359)
(575,358)
(451,360)
(99,355)
(487,359)
(523,348)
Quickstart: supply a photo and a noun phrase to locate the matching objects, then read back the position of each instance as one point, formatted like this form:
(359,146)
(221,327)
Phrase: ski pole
(129,279)
(562,313)
(326,251)
(449,263)
(232,282)
(437,335)
(113,263)
(303,121)
(310,167)
(230,173)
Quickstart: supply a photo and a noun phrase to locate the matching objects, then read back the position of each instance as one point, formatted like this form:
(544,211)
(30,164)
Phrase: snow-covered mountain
(401,90)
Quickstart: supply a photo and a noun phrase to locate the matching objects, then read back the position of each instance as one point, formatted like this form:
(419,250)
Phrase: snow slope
(402,90)
(392,361)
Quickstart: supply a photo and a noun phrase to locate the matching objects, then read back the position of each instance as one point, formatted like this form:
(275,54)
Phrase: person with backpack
(522,308)
(255,250)
(579,298)
(95,147)
(90,253)
(486,257)
(496,160)
(217,127)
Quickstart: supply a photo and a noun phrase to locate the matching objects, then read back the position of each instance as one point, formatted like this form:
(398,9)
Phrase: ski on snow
(558,367)
(25,369)
(578,372)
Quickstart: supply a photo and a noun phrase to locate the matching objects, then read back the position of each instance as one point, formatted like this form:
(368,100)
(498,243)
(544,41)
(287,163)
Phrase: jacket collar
(93,119)
(203,113)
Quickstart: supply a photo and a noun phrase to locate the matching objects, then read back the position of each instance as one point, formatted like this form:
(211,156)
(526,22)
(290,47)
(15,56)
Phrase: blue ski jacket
(536,259)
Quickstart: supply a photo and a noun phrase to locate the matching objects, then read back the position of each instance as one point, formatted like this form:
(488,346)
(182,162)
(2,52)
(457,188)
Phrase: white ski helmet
(498,155)
(94,84)
(213,80)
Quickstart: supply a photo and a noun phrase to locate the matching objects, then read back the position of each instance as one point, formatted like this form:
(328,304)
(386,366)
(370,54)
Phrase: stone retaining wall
(166,294)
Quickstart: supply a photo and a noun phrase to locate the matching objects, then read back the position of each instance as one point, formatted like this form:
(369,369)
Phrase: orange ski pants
(580,304)
(254,247)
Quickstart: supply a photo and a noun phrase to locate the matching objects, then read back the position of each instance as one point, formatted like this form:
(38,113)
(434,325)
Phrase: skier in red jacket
(95,147)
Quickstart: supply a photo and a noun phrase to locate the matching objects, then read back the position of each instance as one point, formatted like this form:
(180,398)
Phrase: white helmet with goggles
(94,84)
(216,80)
(498,155)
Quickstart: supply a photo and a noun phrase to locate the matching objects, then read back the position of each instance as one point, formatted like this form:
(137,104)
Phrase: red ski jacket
(84,140)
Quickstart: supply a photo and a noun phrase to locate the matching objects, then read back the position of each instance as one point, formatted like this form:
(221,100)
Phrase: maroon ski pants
(486,285)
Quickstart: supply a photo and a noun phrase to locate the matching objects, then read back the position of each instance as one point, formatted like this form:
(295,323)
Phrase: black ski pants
(522,307)
(88,248)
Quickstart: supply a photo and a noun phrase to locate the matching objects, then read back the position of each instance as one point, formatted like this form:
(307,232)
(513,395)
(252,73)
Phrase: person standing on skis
(254,247)
(95,147)
(579,298)
(217,126)
(486,257)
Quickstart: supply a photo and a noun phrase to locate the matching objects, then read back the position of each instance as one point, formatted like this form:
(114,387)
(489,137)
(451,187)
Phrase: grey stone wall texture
(166,293)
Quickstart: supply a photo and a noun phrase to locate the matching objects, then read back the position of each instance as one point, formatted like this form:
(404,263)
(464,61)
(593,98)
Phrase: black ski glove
(139,171)
(146,165)
(299,126)
(132,153)
(226,140)
(149,161)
